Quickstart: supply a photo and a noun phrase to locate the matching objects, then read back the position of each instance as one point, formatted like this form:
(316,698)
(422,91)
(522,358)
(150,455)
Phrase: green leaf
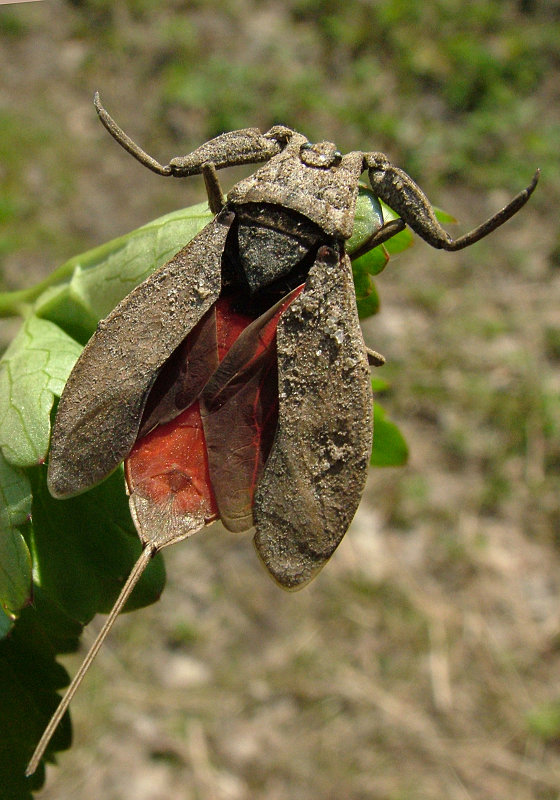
(372,262)
(15,572)
(389,446)
(99,279)
(33,370)
(379,385)
(84,548)
(367,298)
(368,303)
(399,242)
(443,216)
(15,495)
(30,678)
(6,624)
(15,561)
(368,218)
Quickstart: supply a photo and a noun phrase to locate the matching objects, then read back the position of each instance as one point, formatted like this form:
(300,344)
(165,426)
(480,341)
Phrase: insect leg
(247,146)
(402,194)
(375,359)
(216,199)
(125,141)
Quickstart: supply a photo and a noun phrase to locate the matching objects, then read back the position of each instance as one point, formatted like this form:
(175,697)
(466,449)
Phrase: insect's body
(302,198)
(269,250)
(314,180)
(281,228)
(318,463)
(234,381)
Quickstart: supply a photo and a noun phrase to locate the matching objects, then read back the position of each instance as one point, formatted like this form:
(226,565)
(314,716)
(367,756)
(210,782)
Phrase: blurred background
(424,662)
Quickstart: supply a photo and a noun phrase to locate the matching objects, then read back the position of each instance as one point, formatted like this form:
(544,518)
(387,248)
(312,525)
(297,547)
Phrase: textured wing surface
(315,474)
(101,407)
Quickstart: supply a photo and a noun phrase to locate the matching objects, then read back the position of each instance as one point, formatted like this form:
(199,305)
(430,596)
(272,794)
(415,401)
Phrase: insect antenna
(144,559)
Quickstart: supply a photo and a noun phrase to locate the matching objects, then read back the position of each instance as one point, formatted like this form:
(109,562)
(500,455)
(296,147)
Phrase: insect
(234,381)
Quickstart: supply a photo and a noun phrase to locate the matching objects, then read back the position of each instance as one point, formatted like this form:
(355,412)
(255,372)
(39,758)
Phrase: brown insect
(234,381)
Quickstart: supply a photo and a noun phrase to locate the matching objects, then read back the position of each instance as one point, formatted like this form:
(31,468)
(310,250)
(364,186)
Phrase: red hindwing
(210,419)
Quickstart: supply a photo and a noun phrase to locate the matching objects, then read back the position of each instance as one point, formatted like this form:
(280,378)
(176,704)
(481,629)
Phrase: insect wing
(167,477)
(101,407)
(167,472)
(314,477)
(239,408)
(184,375)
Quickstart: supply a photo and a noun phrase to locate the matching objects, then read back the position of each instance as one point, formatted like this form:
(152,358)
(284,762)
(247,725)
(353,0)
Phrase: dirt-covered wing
(315,474)
(101,407)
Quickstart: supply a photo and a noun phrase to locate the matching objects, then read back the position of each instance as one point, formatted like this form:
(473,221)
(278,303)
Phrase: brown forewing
(315,474)
(101,407)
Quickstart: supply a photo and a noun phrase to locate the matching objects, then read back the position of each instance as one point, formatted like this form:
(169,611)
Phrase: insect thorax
(271,248)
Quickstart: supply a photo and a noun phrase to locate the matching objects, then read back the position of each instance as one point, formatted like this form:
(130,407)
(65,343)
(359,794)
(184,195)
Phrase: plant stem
(16,304)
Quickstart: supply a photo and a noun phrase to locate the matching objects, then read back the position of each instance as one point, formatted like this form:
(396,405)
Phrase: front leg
(398,190)
(247,146)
